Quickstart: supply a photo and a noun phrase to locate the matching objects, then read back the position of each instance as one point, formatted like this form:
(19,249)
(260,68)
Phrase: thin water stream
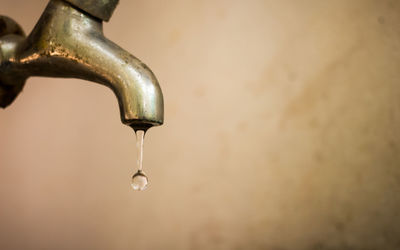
(139,179)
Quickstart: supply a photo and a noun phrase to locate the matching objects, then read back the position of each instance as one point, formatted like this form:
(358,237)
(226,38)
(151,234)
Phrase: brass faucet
(68,42)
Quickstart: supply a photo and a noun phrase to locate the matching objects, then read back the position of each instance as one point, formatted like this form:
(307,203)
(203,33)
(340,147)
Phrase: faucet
(68,42)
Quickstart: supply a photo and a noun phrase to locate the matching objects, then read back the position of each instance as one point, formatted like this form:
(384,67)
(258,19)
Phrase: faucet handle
(11,35)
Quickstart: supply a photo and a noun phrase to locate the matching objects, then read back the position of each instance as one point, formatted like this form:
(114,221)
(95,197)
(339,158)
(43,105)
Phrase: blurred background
(281,132)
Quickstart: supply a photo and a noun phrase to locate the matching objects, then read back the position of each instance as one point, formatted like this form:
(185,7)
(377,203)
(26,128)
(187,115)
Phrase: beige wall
(281,132)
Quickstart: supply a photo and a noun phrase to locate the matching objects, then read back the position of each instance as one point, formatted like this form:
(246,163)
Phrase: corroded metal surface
(67,42)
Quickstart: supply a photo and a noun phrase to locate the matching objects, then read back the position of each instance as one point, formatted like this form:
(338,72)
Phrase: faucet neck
(71,18)
(100,9)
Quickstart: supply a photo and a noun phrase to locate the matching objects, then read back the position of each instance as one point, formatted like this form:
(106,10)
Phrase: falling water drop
(139,179)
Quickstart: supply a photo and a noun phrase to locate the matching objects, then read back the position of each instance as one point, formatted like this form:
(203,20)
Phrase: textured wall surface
(281,133)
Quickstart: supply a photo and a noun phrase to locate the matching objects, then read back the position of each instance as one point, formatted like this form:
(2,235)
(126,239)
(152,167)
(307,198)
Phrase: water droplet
(139,181)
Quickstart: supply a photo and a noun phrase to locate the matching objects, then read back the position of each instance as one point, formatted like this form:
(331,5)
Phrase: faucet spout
(67,42)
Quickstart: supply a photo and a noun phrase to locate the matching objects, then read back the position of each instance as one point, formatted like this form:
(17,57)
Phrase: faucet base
(11,35)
